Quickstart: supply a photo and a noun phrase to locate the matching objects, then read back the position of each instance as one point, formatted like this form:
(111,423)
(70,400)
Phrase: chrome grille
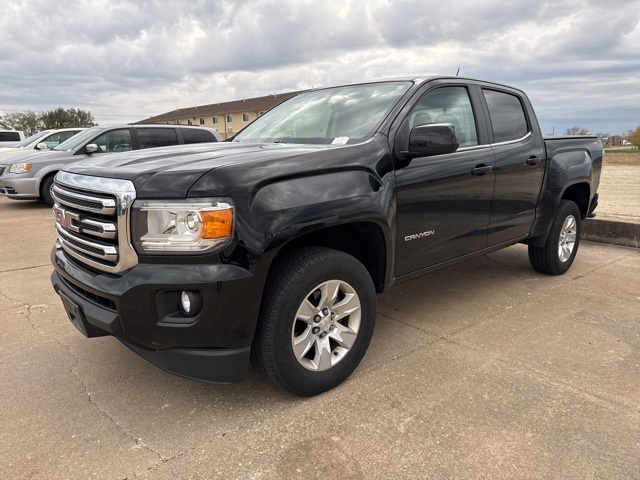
(92,220)
(85,202)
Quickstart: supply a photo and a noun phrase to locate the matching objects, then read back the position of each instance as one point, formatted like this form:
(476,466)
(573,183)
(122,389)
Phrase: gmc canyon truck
(271,247)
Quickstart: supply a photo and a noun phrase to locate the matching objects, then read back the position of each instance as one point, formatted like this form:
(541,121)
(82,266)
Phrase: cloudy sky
(125,60)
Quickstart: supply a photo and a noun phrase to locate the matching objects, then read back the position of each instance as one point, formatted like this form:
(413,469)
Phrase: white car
(43,140)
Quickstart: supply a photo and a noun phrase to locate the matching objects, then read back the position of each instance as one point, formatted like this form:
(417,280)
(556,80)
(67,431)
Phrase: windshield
(335,116)
(77,139)
(30,139)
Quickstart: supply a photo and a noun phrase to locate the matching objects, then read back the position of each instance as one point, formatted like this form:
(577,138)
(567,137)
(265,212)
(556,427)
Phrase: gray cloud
(128,59)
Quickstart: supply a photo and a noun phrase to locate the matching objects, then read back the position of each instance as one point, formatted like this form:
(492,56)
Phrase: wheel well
(362,240)
(44,179)
(579,194)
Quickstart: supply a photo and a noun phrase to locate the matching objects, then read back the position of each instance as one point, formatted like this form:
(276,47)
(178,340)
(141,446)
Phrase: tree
(635,138)
(65,118)
(576,131)
(29,122)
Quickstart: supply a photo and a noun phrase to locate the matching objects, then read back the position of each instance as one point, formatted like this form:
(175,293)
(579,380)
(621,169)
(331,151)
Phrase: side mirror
(433,139)
(42,146)
(91,148)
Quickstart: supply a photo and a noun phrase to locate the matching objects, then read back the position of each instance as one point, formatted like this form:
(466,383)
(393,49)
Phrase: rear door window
(508,119)
(194,135)
(157,137)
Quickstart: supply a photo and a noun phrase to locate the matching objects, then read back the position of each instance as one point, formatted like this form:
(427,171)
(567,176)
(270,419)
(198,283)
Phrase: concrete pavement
(483,370)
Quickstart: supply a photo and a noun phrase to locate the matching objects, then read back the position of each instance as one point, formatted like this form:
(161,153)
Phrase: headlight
(20,168)
(177,226)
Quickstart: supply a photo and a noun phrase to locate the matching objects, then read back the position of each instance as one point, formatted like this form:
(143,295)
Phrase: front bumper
(214,346)
(18,188)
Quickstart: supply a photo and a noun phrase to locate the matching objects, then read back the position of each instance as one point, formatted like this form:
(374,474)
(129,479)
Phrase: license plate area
(78,319)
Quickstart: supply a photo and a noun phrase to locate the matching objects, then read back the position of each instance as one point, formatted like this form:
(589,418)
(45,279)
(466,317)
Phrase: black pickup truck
(271,247)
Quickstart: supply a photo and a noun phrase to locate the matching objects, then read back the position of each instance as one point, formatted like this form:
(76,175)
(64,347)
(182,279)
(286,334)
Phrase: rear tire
(559,251)
(316,321)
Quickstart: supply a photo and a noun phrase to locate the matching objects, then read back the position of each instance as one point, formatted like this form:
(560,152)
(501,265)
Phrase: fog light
(190,303)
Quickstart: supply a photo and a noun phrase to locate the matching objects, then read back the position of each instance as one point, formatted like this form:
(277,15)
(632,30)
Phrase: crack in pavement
(18,302)
(30,309)
(22,269)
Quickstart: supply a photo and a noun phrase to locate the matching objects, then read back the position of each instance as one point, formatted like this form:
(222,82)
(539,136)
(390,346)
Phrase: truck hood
(172,171)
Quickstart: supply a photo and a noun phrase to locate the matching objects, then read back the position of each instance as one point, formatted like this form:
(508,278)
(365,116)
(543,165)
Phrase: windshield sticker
(340,141)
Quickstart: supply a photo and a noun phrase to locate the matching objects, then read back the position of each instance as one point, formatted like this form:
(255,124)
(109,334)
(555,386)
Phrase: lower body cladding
(196,321)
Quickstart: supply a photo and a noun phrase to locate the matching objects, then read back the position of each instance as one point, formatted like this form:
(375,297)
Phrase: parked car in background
(44,140)
(30,176)
(8,138)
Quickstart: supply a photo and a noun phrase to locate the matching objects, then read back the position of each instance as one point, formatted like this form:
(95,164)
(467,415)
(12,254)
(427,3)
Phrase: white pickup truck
(8,138)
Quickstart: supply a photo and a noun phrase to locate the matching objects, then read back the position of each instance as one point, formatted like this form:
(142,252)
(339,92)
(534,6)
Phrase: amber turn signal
(217,223)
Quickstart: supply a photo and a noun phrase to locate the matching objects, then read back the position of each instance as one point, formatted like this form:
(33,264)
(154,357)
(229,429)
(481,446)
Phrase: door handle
(533,160)
(481,169)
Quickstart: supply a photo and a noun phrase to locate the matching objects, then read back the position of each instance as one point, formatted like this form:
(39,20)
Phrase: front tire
(316,322)
(559,251)
(45,190)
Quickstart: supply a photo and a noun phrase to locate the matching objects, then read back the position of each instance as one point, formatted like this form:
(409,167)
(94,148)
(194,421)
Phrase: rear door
(519,163)
(443,201)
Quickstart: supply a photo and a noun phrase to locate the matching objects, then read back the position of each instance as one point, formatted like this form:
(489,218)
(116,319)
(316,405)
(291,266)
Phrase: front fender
(285,209)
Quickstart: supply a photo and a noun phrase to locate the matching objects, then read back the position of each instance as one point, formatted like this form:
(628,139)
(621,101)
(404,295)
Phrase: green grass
(632,151)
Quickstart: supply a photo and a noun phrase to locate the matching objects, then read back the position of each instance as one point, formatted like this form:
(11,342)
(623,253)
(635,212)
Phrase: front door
(443,201)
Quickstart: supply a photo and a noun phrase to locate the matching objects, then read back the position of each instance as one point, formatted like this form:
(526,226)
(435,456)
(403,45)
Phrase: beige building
(227,118)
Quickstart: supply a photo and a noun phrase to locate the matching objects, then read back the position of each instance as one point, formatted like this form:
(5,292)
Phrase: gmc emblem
(65,219)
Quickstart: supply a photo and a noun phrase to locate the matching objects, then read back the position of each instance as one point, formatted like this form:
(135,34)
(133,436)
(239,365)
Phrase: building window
(245,117)
(177,122)
(201,120)
(215,119)
(189,122)
(229,118)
